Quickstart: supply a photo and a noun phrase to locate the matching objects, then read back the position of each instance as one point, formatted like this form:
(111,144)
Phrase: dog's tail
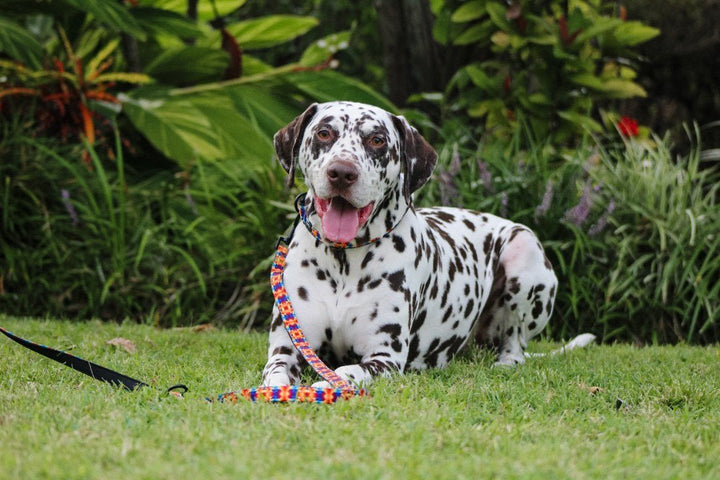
(582,340)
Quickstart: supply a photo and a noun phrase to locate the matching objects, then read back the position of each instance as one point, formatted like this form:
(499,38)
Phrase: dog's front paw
(276,379)
(323,384)
(354,374)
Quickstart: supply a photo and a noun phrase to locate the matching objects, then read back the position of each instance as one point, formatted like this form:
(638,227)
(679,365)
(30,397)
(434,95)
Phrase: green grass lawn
(466,421)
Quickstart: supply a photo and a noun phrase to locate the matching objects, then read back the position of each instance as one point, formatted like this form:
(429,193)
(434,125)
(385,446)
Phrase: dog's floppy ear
(287,141)
(418,157)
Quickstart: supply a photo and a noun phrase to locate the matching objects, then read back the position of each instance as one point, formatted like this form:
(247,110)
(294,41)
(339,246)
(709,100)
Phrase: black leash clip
(290,232)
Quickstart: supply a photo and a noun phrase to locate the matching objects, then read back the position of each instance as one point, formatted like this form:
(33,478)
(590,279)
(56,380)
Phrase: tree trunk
(411,56)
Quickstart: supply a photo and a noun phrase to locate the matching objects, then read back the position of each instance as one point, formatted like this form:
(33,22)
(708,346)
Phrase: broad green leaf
(613,87)
(253,66)
(114,15)
(543,39)
(599,26)
(159,21)
(267,109)
(476,33)
(620,88)
(322,49)
(18,44)
(633,33)
(469,11)
(539,99)
(327,86)
(192,128)
(584,121)
(443,27)
(480,78)
(176,128)
(270,31)
(188,65)
(205,8)
(497,13)
(236,136)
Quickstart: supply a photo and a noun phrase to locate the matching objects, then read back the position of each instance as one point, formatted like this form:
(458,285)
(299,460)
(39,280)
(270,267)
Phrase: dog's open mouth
(340,219)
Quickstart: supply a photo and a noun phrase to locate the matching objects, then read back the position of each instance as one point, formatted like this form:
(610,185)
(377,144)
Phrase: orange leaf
(19,91)
(202,327)
(88,125)
(123,343)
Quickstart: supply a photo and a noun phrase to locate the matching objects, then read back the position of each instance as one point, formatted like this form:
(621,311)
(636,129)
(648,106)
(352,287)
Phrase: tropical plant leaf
(584,121)
(190,128)
(599,26)
(18,44)
(613,87)
(498,14)
(328,85)
(267,109)
(165,22)
(206,10)
(322,49)
(480,78)
(188,65)
(476,33)
(177,128)
(114,15)
(634,33)
(270,31)
(237,137)
(253,65)
(469,11)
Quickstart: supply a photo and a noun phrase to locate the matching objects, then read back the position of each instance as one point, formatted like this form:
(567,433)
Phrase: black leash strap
(81,365)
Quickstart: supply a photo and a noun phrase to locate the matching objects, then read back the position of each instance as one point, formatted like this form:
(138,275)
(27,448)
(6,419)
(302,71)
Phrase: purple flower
(579,213)
(603,220)
(449,192)
(485,176)
(544,206)
(503,204)
(448,188)
(69,207)
(455,162)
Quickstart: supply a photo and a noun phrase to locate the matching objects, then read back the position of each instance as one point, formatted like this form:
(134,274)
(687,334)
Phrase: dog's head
(355,159)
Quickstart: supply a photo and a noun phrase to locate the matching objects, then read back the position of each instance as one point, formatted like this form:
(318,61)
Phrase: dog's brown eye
(377,141)
(323,134)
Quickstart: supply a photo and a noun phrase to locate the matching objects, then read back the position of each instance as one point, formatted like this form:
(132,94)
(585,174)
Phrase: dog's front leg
(388,355)
(283,365)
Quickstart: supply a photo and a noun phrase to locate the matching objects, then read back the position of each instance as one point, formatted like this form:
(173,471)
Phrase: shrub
(165,217)
(80,241)
(541,67)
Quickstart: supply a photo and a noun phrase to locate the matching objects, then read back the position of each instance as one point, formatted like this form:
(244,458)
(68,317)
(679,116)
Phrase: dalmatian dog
(420,282)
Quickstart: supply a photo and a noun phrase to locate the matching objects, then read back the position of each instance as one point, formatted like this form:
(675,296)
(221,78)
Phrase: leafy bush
(80,241)
(631,231)
(167,214)
(542,66)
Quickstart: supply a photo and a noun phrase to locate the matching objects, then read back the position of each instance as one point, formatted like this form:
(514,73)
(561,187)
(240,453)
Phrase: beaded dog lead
(341,388)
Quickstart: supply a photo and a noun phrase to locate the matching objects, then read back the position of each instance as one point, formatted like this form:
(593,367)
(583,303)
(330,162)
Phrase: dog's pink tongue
(341,221)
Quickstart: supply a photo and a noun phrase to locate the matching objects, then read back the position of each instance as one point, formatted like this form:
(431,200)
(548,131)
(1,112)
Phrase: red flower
(628,127)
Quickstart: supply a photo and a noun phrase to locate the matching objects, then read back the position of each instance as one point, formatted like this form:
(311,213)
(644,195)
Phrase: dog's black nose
(342,174)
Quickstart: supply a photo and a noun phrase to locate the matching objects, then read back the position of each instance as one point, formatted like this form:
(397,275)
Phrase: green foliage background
(138,182)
